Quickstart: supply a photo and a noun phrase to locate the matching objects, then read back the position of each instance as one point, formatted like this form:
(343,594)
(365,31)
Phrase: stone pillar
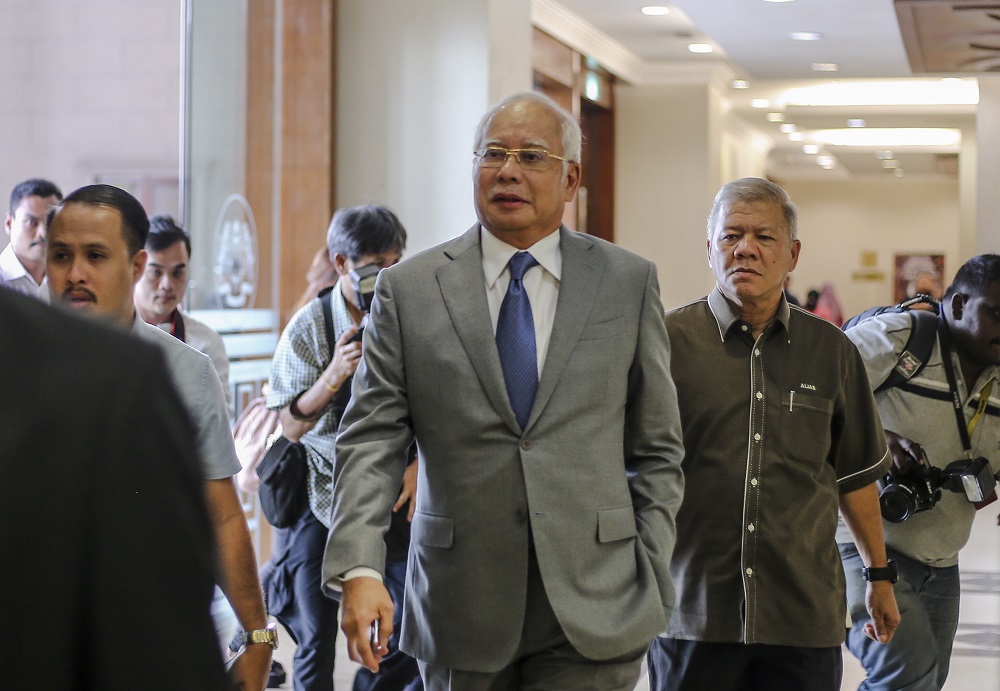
(987,236)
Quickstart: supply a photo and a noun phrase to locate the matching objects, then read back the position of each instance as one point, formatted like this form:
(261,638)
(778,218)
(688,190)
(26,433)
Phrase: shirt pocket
(805,421)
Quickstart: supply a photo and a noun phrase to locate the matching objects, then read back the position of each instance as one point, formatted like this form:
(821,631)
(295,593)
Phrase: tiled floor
(975,664)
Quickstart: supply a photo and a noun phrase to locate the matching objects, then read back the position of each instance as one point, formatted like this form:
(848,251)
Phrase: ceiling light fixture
(810,149)
(824,67)
(884,155)
(805,35)
(699,48)
(855,122)
(885,92)
(890,164)
(760,103)
(775,117)
(655,10)
(788,127)
(895,137)
(740,84)
(795,136)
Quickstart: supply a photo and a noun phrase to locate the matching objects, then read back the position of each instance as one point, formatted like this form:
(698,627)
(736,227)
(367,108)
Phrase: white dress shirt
(541,283)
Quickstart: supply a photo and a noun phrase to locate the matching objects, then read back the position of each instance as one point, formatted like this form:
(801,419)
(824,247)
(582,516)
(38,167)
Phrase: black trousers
(295,599)
(678,665)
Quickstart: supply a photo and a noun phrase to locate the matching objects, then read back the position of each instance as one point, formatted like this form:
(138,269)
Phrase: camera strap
(956,398)
(964,431)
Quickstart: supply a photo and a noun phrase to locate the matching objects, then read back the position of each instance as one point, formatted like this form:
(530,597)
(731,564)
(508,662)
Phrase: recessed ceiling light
(824,67)
(699,48)
(788,127)
(855,122)
(775,117)
(740,84)
(795,136)
(883,155)
(810,149)
(890,163)
(806,35)
(655,10)
(825,161)
(898,172)
(760,103)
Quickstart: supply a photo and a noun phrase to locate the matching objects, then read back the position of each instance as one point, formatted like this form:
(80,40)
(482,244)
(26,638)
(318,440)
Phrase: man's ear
(7,222)
(956,306)
(138,265)
(340,264)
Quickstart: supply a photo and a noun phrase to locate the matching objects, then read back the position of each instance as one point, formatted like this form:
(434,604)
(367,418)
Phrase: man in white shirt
(95,256)
(22,262)
(160,292)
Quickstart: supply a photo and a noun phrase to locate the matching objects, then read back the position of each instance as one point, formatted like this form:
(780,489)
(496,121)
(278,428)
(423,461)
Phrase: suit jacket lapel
(470,315)
(582,269)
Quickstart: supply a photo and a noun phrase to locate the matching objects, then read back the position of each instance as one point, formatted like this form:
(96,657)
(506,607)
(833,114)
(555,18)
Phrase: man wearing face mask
(311,386)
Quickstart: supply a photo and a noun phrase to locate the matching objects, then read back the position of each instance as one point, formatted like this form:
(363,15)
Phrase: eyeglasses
(528,159)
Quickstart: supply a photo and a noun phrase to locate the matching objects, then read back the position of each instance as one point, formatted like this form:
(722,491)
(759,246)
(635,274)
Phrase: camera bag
(923,333)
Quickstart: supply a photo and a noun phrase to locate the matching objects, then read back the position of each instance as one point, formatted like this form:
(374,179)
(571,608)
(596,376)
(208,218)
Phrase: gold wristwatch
(268,634)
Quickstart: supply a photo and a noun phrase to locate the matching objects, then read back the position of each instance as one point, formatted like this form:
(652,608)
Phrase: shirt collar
(726,317)
(11,266)
(496,254)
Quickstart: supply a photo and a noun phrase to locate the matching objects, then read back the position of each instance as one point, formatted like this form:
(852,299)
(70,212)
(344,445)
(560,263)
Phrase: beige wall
(840,220)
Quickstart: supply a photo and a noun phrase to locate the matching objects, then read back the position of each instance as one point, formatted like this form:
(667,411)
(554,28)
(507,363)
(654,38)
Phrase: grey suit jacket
(596,472)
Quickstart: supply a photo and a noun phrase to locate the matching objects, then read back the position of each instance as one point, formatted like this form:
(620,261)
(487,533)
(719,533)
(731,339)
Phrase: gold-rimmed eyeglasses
(528,159)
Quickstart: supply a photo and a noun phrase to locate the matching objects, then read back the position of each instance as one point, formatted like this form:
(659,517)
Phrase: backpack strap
(325,301)
(917,351)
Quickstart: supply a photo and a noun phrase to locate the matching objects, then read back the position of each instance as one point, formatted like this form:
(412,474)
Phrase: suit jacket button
(526,444)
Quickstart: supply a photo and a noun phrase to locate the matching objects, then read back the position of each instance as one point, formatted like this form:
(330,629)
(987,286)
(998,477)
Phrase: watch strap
(269,635)
(889,572)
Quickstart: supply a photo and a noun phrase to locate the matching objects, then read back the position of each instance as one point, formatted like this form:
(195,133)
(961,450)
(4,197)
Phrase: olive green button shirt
(775,429)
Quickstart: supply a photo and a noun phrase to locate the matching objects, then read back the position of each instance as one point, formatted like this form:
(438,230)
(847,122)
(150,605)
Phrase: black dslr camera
(906,495)
(363,282)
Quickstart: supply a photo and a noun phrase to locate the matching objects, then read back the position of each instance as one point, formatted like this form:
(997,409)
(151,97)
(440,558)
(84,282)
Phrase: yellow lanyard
(984,399)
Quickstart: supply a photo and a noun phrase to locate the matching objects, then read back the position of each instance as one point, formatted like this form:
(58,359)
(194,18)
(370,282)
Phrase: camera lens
(897,504)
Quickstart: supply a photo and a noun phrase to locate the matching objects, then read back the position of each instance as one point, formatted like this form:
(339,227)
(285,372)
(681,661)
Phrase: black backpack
(923,333)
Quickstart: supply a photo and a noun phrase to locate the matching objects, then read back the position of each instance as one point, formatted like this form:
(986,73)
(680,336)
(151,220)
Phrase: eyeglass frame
(514,152)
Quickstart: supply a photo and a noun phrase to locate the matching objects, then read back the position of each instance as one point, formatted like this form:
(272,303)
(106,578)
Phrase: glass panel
(224,261)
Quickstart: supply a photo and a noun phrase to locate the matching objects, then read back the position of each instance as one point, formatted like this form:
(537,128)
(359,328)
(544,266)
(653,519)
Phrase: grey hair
(753,190)
(569,128)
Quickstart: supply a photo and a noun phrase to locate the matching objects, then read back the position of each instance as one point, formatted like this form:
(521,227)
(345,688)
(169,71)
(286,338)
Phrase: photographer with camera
(311,386)
(943,429)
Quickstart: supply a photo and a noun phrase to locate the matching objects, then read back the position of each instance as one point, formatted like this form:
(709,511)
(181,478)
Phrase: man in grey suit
(531,364)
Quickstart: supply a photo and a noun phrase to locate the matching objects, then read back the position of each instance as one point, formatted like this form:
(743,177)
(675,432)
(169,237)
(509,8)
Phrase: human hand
(880,601)
(906,454)
(250,670)
(363,601)
(346,357)
(408,493)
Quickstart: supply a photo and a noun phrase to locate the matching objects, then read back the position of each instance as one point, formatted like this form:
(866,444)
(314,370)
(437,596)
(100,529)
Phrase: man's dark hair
(975,276)
(361,230)
(164,232)
(135,223)
(35,187)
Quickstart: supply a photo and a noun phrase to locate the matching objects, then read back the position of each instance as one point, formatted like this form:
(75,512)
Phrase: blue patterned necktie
(516,341)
